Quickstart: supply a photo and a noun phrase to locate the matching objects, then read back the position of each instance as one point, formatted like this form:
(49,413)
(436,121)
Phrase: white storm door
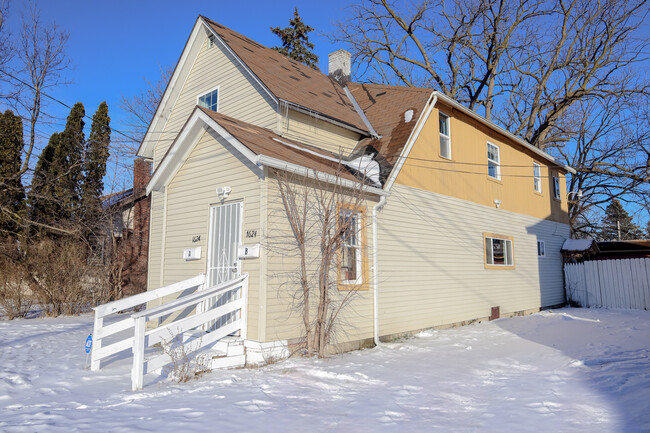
(225,238)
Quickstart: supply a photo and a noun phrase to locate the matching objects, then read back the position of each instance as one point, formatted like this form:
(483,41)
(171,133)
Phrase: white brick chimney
(340,66)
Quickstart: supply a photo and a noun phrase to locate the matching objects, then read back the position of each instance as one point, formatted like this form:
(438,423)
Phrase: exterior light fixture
(223,192)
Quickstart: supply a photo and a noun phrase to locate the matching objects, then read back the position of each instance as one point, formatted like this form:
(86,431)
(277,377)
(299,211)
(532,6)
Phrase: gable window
(499,251)
(209,100)
(494,164)
(541,249)
(445,138)
(537,176)
(352,260)
(556,188)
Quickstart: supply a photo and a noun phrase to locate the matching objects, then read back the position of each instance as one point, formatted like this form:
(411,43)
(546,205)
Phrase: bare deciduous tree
(323,219)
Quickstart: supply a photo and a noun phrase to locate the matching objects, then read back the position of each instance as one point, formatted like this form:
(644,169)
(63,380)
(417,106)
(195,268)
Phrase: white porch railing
(192,297)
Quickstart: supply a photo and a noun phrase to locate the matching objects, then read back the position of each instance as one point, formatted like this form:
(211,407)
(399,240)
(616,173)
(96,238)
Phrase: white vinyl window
(537,175)
(209,100)
(556,188)
(498,251)
(494,161)
(351,265)
(541,249)
(445,138)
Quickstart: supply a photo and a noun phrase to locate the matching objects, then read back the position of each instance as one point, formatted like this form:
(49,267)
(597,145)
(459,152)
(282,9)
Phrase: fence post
(137,372)
(244,308)
(97,342)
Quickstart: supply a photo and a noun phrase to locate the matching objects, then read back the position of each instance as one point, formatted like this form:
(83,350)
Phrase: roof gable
(291,81)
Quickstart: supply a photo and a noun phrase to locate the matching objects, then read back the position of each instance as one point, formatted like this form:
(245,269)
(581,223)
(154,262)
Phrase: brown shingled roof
(290,80)
(385,107)
(262,141)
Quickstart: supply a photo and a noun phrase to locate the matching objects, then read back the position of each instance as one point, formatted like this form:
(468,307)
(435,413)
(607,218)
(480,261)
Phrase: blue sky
(115,45)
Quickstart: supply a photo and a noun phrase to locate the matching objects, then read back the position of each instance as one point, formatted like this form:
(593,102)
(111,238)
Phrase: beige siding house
(464,221)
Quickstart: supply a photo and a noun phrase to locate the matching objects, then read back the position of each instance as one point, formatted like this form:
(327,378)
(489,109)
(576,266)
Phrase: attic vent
(212,40)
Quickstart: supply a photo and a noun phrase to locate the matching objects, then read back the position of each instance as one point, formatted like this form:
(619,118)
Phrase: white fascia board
(313,174)
(415,133)
(185,143)
(225,46)
(494,126)
(173,89)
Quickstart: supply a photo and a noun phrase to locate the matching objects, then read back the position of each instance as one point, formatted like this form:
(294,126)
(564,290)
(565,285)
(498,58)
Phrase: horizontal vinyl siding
(431,261)
(155,240)
(307,129)
(239,95)
(284,317)
(190,195)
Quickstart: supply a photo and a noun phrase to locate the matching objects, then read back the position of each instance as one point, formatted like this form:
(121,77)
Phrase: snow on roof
(577,244)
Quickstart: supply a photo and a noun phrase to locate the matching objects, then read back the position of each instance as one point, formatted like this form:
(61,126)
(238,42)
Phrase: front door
(223,261)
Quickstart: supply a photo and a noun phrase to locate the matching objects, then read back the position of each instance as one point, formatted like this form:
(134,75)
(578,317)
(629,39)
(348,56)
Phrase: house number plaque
(251,234)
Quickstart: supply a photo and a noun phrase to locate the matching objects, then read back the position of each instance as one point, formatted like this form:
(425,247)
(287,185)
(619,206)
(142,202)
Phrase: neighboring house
(129,211)
(469,218)
(589,249)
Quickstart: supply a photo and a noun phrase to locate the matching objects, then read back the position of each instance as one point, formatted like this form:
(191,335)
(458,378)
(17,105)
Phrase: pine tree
(97,154)
(647,231)
(295,42)
(12,193)
(617,219)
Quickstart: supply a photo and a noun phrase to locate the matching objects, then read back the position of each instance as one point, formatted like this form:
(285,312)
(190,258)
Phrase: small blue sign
(89,343)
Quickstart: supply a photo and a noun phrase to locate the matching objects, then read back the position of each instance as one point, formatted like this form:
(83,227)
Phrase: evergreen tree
(68,164)
(95,165)
(295,42)
(617,219)
(12,194)
(43,203)
(647,231)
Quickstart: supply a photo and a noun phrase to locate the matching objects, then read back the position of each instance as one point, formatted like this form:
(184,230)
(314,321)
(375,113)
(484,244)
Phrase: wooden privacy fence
(623,283)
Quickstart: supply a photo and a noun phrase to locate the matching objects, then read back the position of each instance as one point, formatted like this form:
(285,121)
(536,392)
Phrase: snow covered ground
(568,370)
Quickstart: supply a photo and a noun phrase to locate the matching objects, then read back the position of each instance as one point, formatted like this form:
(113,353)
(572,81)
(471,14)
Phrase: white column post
(97,342)
(244,307)
(137,372)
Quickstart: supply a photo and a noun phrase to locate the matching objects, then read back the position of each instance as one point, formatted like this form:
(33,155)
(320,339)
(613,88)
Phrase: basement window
(499,251)
(209,100)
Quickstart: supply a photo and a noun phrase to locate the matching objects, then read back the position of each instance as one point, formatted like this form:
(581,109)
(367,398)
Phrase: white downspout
(375,270)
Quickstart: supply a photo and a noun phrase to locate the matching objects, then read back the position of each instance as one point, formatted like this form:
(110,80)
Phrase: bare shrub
(14,291)
(60,276)
(184,367)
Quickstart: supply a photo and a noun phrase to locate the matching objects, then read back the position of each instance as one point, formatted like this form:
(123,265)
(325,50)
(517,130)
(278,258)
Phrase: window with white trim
(537,176)
(499,251)
(351,261)
(445,138)
(494,164)
(541,249)
(556,188)
(210,100)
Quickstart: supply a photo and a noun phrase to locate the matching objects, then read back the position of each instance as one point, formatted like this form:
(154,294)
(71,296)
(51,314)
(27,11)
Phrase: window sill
(538,193)
(494,179)
(352,287)
(500,267)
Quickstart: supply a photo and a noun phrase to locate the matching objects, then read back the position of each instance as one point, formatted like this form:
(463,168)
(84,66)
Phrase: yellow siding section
(239,95)
(190,195)
(465,176)
(431,261)
(306,129)
(284,314)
